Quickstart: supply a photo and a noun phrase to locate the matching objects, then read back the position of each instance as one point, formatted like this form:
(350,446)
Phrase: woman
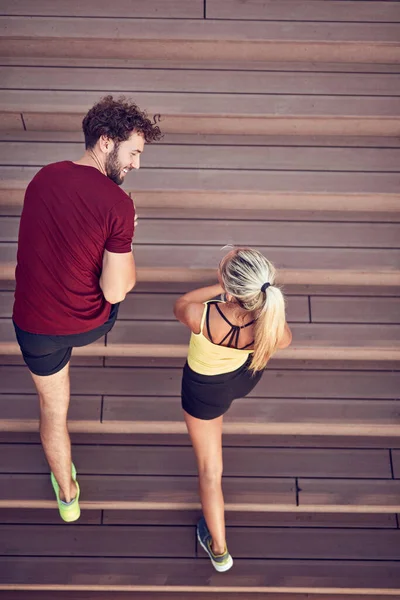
(230,345)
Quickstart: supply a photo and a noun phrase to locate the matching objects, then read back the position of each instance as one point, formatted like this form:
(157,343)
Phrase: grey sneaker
(221,562)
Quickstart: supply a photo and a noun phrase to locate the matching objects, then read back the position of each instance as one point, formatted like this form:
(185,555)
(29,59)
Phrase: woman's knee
(210,473)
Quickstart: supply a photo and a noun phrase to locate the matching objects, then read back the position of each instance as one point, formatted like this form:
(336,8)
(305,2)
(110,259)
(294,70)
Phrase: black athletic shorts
(209,396)
(48,354)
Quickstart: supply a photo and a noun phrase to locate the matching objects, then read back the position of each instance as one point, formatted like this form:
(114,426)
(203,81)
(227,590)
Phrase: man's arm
(118,275)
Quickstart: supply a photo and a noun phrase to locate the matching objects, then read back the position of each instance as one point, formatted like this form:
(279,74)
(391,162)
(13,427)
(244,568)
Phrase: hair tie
(265,286)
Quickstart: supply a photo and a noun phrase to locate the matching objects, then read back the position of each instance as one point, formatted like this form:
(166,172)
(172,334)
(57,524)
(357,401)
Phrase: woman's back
(223,340)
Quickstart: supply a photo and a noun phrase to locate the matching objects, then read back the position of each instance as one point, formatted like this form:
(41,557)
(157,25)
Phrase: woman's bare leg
(206,437)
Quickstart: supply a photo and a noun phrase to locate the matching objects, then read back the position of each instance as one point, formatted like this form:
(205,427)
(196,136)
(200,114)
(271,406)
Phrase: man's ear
(106,145)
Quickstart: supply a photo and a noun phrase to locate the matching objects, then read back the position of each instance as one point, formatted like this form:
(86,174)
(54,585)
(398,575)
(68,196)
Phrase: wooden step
(297,266)
(165,382)
(153,415)
(132,62)
(311,341)
(43,516)
(193,575)
(153,595)
(229,80)
(163,191)
(286,234)
(200,39)
(286,402)
(202,113)
(242,494)
(375,12)
(311,308)
(291,10)
(175,461)
(169,542)
(227,157)
(179,9)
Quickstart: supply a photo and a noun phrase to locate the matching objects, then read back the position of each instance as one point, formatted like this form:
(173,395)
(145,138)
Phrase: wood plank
(227,105)
(29,516)
(308,544)
(83,540)
(289,234)
(176,139)
(321,494)
(285,258)
(274,416)
(291,10)
(228,157)
(220,113)
(355,310)
(269,124)
(127,9)
(271,519)
(14,407)
(166,382)
(149,492)
(11,120)
(132,63)
(204,30)
(231,79)
(167,541)
(305,335)
(396,463)
(385,353)
(153,595)
(175,461)
(244,440)
(301,417)
(187,575)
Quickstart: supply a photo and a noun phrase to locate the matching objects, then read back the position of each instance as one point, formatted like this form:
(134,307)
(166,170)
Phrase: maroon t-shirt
(71,214)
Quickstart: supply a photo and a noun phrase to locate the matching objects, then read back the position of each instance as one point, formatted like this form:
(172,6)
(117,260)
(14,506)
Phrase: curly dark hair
(116,119)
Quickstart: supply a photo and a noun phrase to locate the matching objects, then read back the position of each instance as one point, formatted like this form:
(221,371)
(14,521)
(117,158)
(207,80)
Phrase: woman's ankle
(218,549)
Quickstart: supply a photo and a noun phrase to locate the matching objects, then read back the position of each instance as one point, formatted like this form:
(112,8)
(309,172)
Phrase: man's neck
(91,159)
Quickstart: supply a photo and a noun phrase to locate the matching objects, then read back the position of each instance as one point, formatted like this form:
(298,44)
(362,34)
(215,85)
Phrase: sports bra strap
(204,315)
(234,332)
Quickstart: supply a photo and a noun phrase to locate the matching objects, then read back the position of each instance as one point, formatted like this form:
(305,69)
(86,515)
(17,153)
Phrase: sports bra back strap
(222,314)
(206,317)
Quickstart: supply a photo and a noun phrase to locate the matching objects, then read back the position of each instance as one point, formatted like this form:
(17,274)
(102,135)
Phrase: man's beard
(113,166)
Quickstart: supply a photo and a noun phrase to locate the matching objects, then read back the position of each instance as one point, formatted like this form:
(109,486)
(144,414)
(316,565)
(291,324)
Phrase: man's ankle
(73,490)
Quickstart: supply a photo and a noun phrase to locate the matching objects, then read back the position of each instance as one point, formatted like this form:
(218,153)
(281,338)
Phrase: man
(74,266)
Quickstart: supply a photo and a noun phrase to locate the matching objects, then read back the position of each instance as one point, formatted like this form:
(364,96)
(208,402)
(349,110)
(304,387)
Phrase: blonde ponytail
(269,328)
(250,278)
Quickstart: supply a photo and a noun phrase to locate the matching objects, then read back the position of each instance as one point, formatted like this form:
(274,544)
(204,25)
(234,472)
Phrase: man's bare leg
(54,394)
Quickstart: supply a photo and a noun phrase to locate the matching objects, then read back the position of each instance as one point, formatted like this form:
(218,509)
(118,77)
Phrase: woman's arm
(188,309)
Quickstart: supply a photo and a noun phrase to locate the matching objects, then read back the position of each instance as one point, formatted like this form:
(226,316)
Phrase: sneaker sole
(217,566)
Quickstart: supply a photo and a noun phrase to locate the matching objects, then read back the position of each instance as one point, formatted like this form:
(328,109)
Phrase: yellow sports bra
(208,358)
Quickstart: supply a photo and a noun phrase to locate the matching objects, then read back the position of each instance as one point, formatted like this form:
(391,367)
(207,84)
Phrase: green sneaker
(221,562)
(71,511)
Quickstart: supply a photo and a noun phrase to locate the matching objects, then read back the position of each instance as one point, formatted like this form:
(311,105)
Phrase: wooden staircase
(281,123)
